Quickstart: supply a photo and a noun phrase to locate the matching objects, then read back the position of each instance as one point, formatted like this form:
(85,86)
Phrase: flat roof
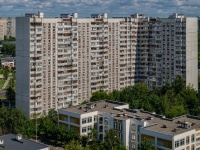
(157,123)
(103,106)
(160,124)
(173,126)
(11,143)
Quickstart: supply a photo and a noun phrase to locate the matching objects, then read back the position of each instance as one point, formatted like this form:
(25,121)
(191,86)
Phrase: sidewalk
(5,84)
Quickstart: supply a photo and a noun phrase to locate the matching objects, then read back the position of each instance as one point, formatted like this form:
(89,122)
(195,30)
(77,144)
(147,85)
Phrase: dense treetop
(170,100)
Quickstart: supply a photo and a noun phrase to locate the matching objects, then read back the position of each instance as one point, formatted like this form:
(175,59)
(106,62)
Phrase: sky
(114,8)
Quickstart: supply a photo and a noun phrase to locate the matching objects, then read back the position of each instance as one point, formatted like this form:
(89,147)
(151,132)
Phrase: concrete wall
(181,136)
(23,65)
(126,133)
(192,52)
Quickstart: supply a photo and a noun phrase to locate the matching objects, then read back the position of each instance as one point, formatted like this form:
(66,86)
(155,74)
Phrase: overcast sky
(52,8)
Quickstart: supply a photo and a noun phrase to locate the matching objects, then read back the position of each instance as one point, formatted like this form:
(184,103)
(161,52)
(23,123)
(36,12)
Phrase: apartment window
(187,140)
(120,135)
(133,146)
(192,138)
(89,119)
(83,129)
(115,125)
(106,122)
(192,147)
(198,139)
(133,137)
(89,128)
(120,126)
(176,144)
(84,121)
(133,127)
(182,142)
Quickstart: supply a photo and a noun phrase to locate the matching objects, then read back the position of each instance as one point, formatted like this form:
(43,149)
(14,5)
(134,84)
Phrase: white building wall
(192,52)
(91,114)
(126,133)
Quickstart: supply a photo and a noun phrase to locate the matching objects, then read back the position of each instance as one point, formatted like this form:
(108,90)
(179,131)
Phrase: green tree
(176,111)
(99,95)
(8,49)
(5,72)
(53,115)
(165,88)
(75,145)
(112,141)
(16,121)
(146,145)
(199,49)
(116,95)
(191,101)
(10,93)
(199,79)
(178,85)
(29,129)
(135,95)
(3,120)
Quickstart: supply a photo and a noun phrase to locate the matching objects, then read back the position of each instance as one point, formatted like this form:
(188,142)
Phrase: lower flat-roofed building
(133,125)
(16,142)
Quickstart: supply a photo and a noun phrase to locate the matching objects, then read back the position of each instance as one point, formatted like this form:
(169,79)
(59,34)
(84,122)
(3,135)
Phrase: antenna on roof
(38,9)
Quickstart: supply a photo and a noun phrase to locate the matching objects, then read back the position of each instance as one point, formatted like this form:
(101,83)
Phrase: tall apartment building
(1,28)
(7,27)
(61,61)
(133,125)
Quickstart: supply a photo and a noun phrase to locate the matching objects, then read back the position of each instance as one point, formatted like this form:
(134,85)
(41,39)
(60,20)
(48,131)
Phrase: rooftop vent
(65,16)
(175,129)
(140,118)
(1,142)
(119,115)
(186,124)
(18,137)
(90,105)
(193,124)
(105,106)
(30,15)
(163,117)
(122,110)
(124,114)
(150,118)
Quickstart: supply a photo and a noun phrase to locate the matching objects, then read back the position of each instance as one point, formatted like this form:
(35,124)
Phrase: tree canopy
(146,145)
(170,100)
(8,49)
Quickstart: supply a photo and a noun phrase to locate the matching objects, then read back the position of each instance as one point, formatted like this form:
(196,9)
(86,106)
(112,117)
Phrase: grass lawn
(2,81)
(2,97)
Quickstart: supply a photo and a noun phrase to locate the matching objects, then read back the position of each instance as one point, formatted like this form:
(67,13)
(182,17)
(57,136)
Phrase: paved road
(5,84)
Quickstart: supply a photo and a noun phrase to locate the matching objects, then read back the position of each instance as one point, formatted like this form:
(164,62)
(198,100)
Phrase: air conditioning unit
(18,137)
(1,142)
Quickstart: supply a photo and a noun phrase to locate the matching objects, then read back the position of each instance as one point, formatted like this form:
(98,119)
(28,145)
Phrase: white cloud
(52,8)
